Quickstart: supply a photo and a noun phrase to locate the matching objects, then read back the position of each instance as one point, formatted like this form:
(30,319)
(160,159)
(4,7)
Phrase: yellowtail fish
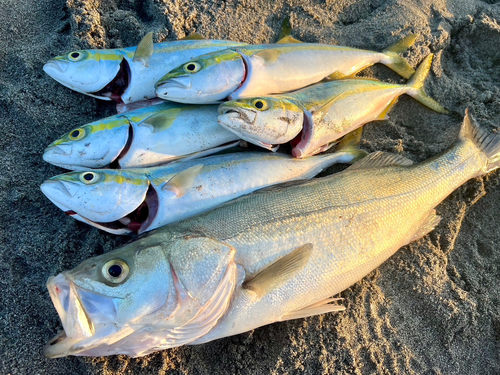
(143,137)
(250,71)
(138,200)
(316,116)
(271,256)
(129,74)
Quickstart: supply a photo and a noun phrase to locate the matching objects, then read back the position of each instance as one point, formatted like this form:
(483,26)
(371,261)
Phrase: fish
(137,200)
(249,71)
(129,74)
(143,137)
(314,118)
(274,255)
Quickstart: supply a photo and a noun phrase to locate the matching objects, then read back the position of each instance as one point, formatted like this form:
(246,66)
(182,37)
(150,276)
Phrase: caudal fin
(395,61)
(488,143)
(416,84)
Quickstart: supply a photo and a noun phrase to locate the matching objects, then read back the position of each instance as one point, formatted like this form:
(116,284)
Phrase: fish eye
(115,271)
(192,67)
(75,56)
(77,134)
(89,177)
(260,104)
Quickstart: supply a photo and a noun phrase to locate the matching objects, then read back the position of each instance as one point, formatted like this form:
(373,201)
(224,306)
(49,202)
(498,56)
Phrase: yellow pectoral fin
(144,50)
(162,121)
(279,272)
(269,56)
(321,307)
(183,180)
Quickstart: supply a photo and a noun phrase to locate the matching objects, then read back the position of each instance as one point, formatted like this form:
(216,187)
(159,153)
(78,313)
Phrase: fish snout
(73,316)
(58,149)
(55,67)
(56,190)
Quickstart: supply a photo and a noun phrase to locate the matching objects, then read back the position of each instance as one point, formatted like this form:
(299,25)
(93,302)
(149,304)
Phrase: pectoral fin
(144,50)
(321,307)
(162,121)
(279,272)
(183,180)
(268,56)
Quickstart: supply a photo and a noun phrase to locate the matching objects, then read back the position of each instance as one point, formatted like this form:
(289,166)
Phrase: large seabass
(274,255)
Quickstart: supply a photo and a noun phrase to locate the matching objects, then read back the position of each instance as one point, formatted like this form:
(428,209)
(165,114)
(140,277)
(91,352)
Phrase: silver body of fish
(270,256)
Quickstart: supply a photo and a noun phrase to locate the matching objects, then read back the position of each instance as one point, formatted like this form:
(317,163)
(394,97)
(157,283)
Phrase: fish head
(107,199)
(264,121)
(104,300)
(208,79)
(94,145)
(103,74)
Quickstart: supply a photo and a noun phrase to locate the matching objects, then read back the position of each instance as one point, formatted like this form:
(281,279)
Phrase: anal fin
(322,307)
(428,225)
(279,272)
(383,115)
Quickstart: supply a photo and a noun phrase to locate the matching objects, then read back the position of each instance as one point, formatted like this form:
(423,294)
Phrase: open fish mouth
(138,221)
(86,317)
(118,85)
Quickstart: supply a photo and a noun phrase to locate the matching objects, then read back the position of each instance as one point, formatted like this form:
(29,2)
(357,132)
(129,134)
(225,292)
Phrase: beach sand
(431,309)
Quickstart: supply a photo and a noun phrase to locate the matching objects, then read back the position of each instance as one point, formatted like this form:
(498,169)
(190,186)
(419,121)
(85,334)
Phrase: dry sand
(431,309)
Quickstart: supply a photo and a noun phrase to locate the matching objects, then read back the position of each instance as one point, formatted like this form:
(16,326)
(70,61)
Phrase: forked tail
(416,86)
(395,61)
(488,143)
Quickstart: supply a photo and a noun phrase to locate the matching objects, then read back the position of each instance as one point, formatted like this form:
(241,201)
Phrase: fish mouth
(136,222)
(118,85)
(163,87)
(231,118)
(58,66)
(86,317)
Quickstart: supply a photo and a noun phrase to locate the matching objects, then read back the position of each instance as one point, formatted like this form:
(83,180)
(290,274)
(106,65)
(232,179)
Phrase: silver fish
(141,138)
(251,71)
(270,256)
(129,74)
(138,200)
(316,116)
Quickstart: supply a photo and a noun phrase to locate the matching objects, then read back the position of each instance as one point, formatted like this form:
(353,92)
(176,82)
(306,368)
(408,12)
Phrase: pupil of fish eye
(75,55)
(259,104)
(75,133)
(115,270)
(88,176)
(191,67)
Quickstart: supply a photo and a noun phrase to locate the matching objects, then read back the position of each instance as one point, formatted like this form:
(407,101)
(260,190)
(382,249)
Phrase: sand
(431,309)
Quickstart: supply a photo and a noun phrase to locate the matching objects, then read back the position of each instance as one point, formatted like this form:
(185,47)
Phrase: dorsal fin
(144,50)
(193,36)
(286,29)
(381,159)
(288,40)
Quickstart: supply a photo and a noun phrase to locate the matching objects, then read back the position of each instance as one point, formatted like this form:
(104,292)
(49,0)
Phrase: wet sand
(431,309)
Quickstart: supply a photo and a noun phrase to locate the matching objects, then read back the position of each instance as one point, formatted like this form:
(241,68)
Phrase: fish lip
(57,149)
(182,82)
(60,66)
